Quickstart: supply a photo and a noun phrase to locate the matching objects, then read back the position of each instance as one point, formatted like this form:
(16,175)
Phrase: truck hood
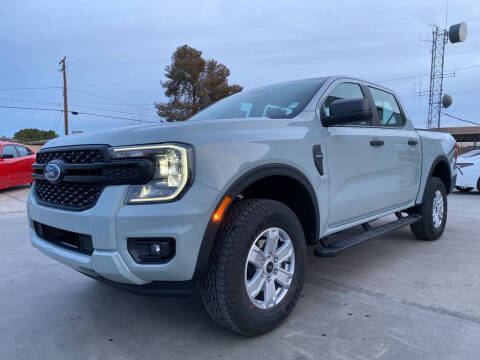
(178,131)
(128,135)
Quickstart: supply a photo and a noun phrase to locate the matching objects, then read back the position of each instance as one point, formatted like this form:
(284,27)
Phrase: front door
(356,160)
(26,161)
(11,165)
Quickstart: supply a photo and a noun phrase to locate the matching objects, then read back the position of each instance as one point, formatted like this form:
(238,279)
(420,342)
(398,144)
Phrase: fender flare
(236,188)
(438,160)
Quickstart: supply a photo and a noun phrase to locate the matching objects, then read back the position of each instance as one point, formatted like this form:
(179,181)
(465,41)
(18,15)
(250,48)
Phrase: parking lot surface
(393,297)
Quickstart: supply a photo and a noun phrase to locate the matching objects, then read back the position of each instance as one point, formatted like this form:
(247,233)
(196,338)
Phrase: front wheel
(257,267)
(433,211)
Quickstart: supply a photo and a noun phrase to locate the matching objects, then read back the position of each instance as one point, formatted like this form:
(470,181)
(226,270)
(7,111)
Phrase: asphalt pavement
(393,297)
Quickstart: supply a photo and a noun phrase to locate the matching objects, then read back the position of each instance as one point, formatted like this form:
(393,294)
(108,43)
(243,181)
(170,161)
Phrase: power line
(78,91)
(428,74)
(459,119)
(24,120)
(28,108)
(115,111)
(78,113)
(31,88)
(405,77)
(28,101)
(112,104)
(78,105)
(106,98)
(114,117)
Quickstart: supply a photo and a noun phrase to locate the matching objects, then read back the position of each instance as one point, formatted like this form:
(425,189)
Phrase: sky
(117,52)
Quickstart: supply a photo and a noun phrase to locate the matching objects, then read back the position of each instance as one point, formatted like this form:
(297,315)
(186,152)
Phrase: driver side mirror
(7,156)
(347,110)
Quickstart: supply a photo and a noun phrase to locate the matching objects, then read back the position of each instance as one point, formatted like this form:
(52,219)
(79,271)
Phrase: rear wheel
(478,184)
(257,269)
(464,189)
(433,211)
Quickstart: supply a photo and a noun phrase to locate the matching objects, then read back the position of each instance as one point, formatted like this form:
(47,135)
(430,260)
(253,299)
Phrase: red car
(15,164)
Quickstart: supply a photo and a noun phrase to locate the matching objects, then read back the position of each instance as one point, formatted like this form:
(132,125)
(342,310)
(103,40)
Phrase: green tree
(193,83)
(28,135)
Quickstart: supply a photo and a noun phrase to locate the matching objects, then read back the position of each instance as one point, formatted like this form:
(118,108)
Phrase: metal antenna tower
(439,39)
(456,33)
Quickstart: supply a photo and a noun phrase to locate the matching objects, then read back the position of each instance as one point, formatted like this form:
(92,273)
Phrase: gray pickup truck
(228,201)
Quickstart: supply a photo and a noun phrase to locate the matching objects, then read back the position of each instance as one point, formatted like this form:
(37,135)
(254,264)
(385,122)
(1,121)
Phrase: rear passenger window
(387,108)
(345,91)
(23,151)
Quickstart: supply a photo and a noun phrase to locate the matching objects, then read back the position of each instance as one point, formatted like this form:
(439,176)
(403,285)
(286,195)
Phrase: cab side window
(9,150)
(23,151)
(344,91)
(388,110)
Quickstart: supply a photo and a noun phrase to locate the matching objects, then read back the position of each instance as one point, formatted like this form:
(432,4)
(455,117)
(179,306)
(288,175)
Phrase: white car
(468,171)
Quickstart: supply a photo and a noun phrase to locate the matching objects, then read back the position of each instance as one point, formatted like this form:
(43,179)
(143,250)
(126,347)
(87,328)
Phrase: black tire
(425,229)
(478,184)
(463,188)
(223,287)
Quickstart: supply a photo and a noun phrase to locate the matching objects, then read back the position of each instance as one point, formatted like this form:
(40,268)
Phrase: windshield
(470,154)
(279,101)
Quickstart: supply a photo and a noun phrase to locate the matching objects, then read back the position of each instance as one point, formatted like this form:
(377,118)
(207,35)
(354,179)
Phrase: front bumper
(110,222)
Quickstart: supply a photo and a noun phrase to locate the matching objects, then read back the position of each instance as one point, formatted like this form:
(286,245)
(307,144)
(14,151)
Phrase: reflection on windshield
(279,101)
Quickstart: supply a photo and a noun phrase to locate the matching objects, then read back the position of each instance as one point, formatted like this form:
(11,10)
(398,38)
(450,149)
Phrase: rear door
(357,162)
(402,147)
(26,160)
(3,171)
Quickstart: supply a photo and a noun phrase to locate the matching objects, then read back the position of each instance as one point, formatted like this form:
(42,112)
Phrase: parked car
(230,199)
(468,171)
(15,164)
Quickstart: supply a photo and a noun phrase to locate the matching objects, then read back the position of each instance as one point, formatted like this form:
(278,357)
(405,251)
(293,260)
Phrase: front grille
(85,171)
(86,156)
(77,242)
(72,196)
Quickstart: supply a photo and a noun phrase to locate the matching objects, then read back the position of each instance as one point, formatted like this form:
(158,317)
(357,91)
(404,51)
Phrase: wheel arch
(440,168)
(248,185)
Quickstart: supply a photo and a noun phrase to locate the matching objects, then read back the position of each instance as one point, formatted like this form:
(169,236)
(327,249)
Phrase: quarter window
(9,150)
(345,91)
(388,110)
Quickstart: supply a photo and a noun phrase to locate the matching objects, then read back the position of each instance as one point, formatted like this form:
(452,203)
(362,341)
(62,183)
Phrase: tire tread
(423,230)
(213,285)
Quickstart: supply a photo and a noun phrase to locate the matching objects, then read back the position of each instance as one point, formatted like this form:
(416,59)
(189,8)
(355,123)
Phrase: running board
(336,247)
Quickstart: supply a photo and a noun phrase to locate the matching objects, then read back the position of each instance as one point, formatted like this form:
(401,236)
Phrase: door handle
(412,142)
(376,143)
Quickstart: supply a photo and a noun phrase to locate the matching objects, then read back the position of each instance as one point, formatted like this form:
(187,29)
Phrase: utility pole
(65,103)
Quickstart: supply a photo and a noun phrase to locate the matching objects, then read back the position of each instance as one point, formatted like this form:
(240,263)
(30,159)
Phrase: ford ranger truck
(228,200)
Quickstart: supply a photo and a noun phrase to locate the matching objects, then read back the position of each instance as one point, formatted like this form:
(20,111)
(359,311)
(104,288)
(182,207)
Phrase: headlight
(171,171)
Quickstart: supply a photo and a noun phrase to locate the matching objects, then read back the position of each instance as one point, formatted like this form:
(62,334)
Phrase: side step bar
(333,249)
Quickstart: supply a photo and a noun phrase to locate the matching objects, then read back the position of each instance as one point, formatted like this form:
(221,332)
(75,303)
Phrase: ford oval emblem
(52,172)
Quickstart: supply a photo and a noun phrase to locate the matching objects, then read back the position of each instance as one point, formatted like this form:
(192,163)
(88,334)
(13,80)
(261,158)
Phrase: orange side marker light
(217,215)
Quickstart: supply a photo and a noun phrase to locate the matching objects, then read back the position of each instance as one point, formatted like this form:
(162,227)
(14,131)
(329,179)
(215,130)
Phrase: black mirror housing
(348,110)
